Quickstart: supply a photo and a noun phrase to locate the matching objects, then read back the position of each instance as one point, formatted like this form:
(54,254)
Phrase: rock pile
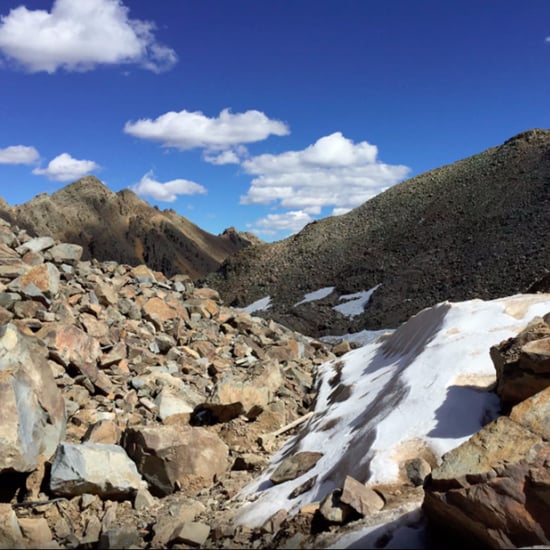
(494,489)
(134,406)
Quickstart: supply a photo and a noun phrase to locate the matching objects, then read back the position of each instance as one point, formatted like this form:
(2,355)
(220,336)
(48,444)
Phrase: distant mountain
(124,228)
(477,228)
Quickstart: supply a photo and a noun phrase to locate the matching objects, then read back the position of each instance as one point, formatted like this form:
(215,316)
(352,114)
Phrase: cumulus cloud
(168,191)
(77,35)
(189,130)
(334,171)
(66,168)
(18,154)
(229,156)
(291,221)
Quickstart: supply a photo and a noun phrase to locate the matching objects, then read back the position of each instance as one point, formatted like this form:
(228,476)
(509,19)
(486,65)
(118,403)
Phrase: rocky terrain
(121,227)
(457,232)
(135,407)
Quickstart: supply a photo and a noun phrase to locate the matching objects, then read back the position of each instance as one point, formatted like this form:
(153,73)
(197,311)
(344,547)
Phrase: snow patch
(355,303)
(316,295)
(402,395)
(259,305)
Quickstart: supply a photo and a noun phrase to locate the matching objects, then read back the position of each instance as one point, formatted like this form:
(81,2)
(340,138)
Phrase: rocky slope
(457,232)
(135,407)
(122,227)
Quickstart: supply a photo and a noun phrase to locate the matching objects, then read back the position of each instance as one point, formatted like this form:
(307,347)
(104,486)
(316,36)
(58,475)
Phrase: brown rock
(295,466)
(193,533)
(492,490)
(44,277)
(360,498)
(534,414)
(10,532)
(71,346)
(520,363)
(171,456)
(36,533)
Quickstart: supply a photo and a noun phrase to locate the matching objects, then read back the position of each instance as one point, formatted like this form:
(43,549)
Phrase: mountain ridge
(460,231)
(135,233)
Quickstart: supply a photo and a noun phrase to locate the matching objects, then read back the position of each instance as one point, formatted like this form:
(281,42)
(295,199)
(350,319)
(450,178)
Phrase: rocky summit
(458,232)
(124,228)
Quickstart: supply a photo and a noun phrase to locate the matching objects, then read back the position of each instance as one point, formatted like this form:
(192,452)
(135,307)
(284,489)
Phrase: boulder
(95,468)
(42,277)
(295,466)
(33,409)
(173,456)
(65,253)
(494,489)
(522,363)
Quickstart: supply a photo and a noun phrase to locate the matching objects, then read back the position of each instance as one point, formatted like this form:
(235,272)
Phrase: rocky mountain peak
(122,227)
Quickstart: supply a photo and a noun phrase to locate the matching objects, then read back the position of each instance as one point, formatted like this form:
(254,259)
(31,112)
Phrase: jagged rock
(235,394)
(94,468)
(39,279)
(173,519)
(33,411)
(294,466)
(360,498)
(170,457)
(72,346)
(522,370)
(494,489)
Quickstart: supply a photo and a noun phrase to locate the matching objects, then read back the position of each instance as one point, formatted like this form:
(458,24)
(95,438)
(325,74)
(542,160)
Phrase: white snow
(355,303)
(423,387)
(258,305)
(316,295)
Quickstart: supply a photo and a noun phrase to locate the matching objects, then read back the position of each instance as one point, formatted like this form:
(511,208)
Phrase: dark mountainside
(472,229)
(122,227)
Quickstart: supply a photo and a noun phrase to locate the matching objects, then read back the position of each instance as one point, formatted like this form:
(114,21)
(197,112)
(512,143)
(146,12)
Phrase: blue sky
(264,115)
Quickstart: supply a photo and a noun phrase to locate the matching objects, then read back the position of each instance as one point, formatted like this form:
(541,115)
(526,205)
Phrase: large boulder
(33,409)
(494,489)
(522,363)
(96,468)
(171,457)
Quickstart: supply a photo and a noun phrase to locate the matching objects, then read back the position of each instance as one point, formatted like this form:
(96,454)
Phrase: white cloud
(18,154)
(225,157)
(66,168)
(77,35)
(188,130)
(230,156)
(547,39)
(168,191)
(291,222)
(333,171)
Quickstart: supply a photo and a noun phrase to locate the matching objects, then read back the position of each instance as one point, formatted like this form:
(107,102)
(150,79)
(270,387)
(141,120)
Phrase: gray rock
(96,468)
(33,409)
